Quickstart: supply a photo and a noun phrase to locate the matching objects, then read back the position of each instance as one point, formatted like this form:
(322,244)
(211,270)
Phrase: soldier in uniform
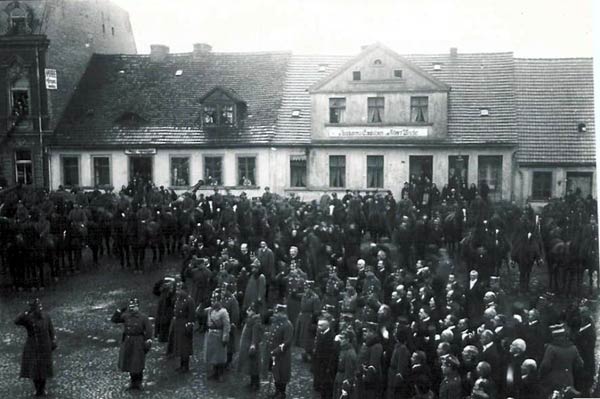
(451,386)
(165,290)
(370,359)
(324,359)
(198,281)
(135,343)
(182,328)
(252,334)
(295,286)
(232,306)
(36,361)
(346,365)
(216,321)
(310,306)
(280,349)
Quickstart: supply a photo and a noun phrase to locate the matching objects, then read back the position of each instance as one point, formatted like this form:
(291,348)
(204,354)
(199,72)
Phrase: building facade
(316,124)
(35,37)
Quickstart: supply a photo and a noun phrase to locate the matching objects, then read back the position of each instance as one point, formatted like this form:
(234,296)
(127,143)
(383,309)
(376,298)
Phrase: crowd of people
(371,290)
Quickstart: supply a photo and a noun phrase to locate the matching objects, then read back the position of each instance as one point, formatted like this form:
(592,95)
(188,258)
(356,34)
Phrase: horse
(526,250)
(168,224)
(454,225)
(75,237)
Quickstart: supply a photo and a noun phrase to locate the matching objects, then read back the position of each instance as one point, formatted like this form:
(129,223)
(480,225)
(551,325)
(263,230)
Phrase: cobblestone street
(86,359)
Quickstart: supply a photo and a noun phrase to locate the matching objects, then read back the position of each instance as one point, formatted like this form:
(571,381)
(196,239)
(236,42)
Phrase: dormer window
(377,62)
(221,107)
(18,22)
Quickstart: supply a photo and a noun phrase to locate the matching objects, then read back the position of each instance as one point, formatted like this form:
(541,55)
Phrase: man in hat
(249,361)
(451,386)
(232,306)
(165,290)
(294,287)
(182,328)
(266,257)
(215,320)
(256,288)
(198,281)
(306,324)
(346,364)
(324,359)
(370,362)
(280,348)
(36,361)
(511,383)
(474,298)
(561,360)
(136,341)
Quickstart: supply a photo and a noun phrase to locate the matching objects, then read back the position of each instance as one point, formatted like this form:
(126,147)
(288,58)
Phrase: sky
(529,28)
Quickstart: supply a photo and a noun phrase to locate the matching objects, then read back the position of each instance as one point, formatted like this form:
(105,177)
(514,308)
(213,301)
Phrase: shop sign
(141,151)
(376,131)
(51,79)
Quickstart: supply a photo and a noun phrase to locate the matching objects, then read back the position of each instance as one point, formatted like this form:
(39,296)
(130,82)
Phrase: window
(356,75)
(458,170)
(541,186)
(337,110)
(580,183)
(218,115)
(418,109)
(23,167)
(101,171)
(397,73)
(19,97)
(298,171)
(246,171)
(375,109)
(337,170)
(213,170)
(70,169)
(490,174)
(18,22)
(378,62)
(180,171)
(374,171)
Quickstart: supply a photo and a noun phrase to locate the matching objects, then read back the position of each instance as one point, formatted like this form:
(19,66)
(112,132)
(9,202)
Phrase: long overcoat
(137,329)
(310,307)
(36,361)
(324,361)
(164,311)
(255,291)
(215,339)
(347,364)
(182,326)
(281,349)
(249,361)
(560,361)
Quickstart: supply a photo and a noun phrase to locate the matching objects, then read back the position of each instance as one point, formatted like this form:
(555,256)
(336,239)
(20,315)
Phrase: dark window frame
(356,75)
(25,164)
(298,173)
(375,171)
(337,171)
(541,185)
(419,109)
(173,159)
(337,110)
(64,174)
(223,114)
(376,109)
(95,181)
(217,159)
(246,165)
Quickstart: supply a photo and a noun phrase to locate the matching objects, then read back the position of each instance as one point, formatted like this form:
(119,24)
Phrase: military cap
(280,307)
(494,279)
(451,361)
(371,326)
(558,329)
(134,301)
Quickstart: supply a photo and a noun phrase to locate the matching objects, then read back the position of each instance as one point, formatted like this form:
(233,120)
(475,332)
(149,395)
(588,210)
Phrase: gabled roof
(228,92)
(170,104)
(481,80)
(364,53)
(553,97)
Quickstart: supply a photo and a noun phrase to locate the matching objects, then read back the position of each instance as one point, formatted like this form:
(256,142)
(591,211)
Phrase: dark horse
(454,224)
(527,249)
(75,238)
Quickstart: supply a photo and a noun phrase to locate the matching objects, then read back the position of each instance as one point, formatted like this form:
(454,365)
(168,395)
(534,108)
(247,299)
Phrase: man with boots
(36,362)
(182,328)
(232,306)
(281,351)
(216,320)
(252,334)
(324,359)
(135,343)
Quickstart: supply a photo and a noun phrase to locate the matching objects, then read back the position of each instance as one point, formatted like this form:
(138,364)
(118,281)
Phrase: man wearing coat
(370,360)
(36,361)
(346,365)
(324,358)
(135,343)
(280,349)
(451,386)
(267,264)
(182,328)
(165,290)
(249,359)
(232,306)
(306,324)
(216,321)
(474,299)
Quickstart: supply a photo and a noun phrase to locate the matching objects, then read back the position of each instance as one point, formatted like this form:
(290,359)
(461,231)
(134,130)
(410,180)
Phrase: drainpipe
(39,106)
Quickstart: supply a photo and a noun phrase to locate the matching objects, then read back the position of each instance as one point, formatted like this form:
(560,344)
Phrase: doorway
(580,183)
(140,168)
(421,166)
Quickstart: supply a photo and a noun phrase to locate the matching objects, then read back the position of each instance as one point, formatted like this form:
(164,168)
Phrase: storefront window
(458,171)
(490,176)
(180,171)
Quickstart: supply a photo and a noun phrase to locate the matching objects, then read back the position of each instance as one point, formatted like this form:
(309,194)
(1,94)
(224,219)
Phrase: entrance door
(140,168)
(421,166)
(581,181)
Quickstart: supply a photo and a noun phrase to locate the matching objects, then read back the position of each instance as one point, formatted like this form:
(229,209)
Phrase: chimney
(158,52)
(201,49)
(453,52)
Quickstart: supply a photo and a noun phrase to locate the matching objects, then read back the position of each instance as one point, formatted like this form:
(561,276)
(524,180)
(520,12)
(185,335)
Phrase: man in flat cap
(280,347)
(36,361)
(136,341)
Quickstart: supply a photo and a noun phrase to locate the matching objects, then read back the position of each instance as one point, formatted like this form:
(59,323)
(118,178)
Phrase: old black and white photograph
(303,199)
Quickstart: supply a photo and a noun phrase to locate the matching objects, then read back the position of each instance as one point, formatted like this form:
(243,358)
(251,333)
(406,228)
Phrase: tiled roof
(168,104)
(476,80)
(553,97)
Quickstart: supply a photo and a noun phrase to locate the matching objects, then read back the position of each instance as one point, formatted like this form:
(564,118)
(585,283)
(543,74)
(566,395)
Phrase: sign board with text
(375,131)
(141,151)
(51,79)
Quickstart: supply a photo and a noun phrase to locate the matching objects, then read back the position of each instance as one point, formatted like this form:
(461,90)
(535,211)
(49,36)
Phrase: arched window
(18,22)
